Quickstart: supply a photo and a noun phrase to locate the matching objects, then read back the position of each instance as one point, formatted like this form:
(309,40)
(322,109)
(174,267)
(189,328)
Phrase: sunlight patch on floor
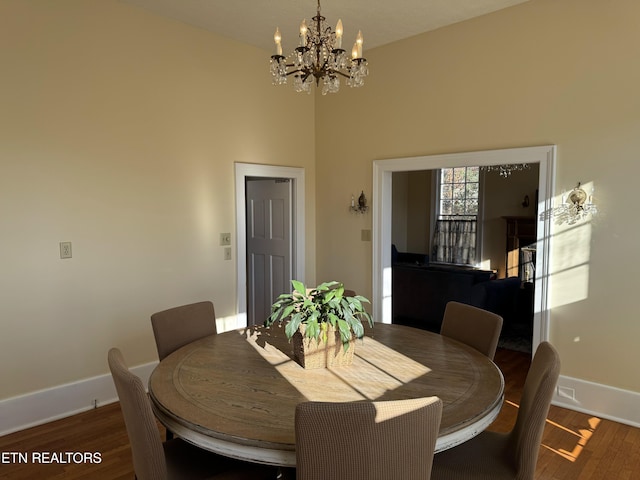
(582,436)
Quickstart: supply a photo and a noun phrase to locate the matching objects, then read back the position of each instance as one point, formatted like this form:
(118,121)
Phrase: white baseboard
(599,400)
(36,408)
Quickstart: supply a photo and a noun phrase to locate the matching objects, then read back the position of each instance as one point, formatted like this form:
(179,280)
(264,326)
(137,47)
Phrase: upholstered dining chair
(366,440)
(472,326)
(178,326)
(512,455)
(173,459)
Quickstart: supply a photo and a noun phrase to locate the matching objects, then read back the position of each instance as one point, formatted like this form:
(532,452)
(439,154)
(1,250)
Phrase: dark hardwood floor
(574,445)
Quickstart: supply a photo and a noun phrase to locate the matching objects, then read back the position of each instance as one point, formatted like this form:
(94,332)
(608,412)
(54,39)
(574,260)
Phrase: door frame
(296,174)
(383,170)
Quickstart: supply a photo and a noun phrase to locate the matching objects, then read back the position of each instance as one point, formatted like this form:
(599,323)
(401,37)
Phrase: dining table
(235,393)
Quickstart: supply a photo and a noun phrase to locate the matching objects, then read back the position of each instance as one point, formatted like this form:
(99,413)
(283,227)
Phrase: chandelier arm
(305,73)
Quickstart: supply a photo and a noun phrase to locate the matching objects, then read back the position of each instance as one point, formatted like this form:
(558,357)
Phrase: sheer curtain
(454,241)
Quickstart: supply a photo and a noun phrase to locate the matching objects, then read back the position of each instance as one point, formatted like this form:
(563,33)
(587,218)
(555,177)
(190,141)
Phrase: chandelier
(506,170)
(319,56)
(576,206)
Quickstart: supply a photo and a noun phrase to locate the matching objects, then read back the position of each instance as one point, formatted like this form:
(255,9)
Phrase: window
(459,193)
(455,236)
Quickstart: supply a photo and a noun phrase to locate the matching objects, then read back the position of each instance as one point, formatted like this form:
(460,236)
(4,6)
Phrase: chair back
(149,461)
(178,326)
(539,386)
(367,440)
(472,326)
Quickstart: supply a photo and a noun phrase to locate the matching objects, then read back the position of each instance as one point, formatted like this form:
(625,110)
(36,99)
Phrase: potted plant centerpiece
(322,323)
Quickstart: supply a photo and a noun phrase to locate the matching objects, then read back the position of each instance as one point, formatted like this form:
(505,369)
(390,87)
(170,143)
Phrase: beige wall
(418,208)
(544,72)
(411,213)
(118,132)
(399,213)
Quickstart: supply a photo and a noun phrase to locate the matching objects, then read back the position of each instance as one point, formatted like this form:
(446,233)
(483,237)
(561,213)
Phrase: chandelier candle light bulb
(359,42)
(277,37)
(303,32)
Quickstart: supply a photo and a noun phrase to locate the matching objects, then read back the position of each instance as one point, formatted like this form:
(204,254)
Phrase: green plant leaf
(313,329)
(368,317)
(288,310)
(356,304)
(323,287)
(299,287)
(329,295)
(292,326)
(345,330)
(362,299)
(358,329)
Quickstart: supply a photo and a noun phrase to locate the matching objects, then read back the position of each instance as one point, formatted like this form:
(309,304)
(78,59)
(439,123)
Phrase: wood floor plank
(574,445)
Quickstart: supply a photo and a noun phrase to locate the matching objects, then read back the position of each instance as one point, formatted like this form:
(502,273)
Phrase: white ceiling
(381,21)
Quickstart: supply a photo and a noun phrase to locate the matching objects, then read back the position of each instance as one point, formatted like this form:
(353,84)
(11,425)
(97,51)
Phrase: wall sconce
(361,205)
(576,206)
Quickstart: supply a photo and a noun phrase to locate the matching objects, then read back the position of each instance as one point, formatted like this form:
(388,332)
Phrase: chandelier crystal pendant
(506,170)
(319,56)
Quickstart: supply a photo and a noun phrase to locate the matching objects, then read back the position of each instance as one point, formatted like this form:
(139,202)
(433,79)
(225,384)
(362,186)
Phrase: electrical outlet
(225,239)
(227,253)
(65,249)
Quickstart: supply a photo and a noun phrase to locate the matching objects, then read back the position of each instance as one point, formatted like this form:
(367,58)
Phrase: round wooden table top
(235,393)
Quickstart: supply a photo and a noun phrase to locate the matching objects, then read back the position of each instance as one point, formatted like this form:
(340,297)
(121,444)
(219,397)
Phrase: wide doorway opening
(543,156)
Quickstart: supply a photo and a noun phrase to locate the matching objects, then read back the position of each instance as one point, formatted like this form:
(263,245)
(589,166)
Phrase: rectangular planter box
(312,353)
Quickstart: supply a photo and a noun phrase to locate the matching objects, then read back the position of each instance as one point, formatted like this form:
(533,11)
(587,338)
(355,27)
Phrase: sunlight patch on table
(376,370)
